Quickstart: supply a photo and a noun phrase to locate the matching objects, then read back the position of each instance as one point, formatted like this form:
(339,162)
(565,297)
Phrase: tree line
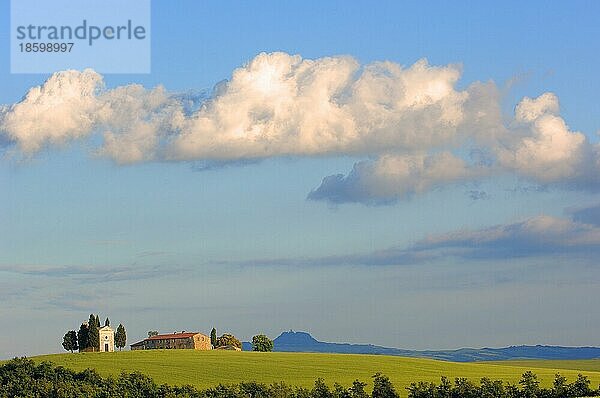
(87,338)
(21,377)
(528,387)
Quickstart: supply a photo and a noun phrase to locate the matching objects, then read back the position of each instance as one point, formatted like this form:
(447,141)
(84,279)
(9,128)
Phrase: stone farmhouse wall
(195,341)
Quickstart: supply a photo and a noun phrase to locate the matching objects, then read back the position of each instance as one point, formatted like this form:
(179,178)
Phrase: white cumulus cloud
(548,151)
(276,105)
(537,145)
(392,177)
(62,109)
(412,122)
(280,105)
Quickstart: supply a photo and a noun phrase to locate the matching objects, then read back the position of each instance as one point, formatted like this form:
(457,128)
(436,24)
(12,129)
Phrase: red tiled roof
(172,336)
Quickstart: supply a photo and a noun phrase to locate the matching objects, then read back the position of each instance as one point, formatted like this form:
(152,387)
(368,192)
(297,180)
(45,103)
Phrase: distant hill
(303,342)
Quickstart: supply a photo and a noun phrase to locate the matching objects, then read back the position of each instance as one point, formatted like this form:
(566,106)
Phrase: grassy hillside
(591,365)
(208,368)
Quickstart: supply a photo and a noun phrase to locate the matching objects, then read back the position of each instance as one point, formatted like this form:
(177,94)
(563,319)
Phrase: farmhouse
(183,340)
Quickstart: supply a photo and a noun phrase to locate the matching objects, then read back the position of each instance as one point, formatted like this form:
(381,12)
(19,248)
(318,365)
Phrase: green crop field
(592,365)
(208,368)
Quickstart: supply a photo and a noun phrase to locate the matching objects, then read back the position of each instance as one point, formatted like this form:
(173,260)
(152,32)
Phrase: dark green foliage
(254,389)
(512,391)
(213,337)
(228,339)
(423,390)
(581,387)
(280,390)
(529,388)
(358,390)
(21,377)
(93,336)
(320,390)
(223,391)
(152,333)
(262,343)
(70,341)
(382,387)
(97,321)
(339,391)
(107,322)
(444,390)
(465,389)
(120,337)
(559,387)
(83,337)
(491,389)
(301,392)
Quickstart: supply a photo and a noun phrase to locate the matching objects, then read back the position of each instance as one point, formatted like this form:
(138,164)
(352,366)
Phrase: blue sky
(463,252)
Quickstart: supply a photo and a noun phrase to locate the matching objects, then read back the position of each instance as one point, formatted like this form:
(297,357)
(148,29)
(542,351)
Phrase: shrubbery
(21,377)
(528,387)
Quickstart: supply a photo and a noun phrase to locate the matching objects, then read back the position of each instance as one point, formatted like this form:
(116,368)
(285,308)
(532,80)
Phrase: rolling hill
(303,342)
(209,368)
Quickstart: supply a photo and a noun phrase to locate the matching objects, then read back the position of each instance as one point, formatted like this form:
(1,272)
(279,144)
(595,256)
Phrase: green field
(591,365)
(208,368)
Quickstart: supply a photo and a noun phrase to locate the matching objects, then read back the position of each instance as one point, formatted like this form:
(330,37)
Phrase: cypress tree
(82,337)
(97,321)
(213,337)
(120,337)
(107,322)
(93,336)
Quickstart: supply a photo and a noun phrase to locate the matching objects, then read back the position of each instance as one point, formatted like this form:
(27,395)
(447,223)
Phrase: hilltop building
(176,341)
(107,339)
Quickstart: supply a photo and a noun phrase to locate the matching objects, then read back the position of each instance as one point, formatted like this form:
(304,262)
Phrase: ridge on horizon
(300,341)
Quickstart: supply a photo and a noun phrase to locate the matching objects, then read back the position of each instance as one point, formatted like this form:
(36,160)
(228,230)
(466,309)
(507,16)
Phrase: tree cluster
(227,339)
(262,343)
(87,338)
